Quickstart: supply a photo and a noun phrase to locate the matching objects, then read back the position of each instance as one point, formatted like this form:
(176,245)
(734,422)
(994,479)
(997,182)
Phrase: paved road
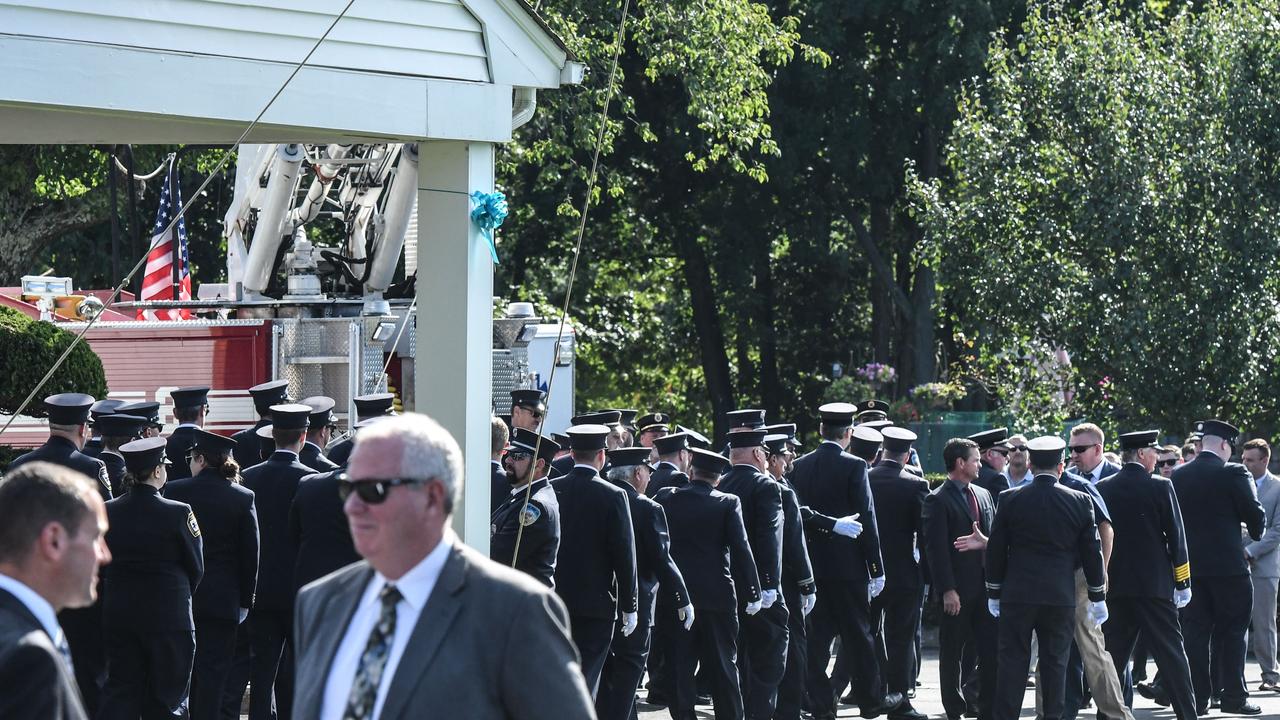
(927,701)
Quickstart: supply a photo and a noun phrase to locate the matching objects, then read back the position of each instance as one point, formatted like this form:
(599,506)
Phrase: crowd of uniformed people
(729,576)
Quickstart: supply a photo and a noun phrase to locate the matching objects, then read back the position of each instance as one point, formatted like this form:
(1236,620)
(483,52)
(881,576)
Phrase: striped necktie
(364,689)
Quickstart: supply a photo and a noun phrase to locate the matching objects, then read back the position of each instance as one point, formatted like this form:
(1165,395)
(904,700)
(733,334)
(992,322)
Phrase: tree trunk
(706,323)
(882,310)
(767,337)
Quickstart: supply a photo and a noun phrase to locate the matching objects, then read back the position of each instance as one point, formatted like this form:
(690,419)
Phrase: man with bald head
(416,624)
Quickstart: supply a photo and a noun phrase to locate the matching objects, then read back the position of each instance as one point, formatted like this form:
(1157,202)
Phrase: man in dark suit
(68,430)
(423,623)
(499,487)
(994,453)
(528,407)
(529,515)
(373,405)
(709,545)
(846,563)
(673,462)
(629,470)
(319,430)
(597,550)
(957,518)
(899,497)
(1218,497)
(1087,461)
(190,406)
(1041,533)
(1143,593)
(50,551)
(274,484)
(264,396)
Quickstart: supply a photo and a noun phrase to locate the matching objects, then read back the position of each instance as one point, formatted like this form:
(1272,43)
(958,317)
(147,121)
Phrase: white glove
(807,602)
(915,553)
(629,621)
(753,607)
(686,616)
(993,607)
(876,586)
(1181,598)
(1098,612)
(768,598)
(849,526)
(244,613)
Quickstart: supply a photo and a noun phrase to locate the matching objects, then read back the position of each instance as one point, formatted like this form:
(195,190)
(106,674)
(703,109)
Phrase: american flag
(157,284)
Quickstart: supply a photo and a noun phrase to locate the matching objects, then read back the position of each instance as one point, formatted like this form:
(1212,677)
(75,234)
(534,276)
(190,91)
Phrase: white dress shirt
(415,588)
(38,606)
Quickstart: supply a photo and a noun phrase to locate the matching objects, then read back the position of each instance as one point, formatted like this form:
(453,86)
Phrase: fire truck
(324,311)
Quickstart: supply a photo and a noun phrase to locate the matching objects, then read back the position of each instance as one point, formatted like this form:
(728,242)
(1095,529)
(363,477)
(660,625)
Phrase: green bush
(30,348)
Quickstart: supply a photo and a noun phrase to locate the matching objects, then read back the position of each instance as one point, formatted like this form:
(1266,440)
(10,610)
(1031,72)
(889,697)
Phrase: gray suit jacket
(490,643)
(1266,561)
(35,683)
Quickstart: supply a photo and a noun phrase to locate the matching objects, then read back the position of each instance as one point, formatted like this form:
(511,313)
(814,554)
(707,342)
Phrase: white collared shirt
(1258,481)
(187,424)
(415,588)
(1024,480)
(38,606)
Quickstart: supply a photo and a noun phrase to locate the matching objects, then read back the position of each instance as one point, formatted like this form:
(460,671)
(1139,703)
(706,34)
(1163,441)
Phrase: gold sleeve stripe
(1182,572)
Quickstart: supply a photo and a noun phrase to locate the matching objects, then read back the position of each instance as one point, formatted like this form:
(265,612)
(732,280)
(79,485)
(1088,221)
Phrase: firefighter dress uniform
(539,516)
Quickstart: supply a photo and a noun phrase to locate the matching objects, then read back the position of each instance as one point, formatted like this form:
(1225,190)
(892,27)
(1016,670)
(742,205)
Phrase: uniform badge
(529,515)
(192,525)
(493,529)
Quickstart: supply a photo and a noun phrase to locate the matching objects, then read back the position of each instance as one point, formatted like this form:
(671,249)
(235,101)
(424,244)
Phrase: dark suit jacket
(499,488)
(1216,498)
(157,560)
(833,483)
(339,451)
(35,683)
(991,480)
(1041,534)
(1108,469)
(654,565)
(945,517)
(1145,510)
(597,546)
(274,484)
(666,475)
(318,528)
(899,496)
(761,499)
(229,528)
(313,457)
(60,451)
(490,643)
(709,545)
(561,467)
(180,441)
(248,449)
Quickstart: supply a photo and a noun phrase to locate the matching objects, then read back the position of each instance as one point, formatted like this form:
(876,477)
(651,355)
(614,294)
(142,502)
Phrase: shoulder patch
(530,514)
(192,525)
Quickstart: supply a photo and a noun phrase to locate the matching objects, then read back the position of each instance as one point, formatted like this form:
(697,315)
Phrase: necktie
(973,504)
(364,689)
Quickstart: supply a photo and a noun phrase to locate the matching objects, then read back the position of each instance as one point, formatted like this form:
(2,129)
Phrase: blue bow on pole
(488,213)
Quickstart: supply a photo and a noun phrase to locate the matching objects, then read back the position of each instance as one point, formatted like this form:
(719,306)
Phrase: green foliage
(1113,191)
(31,347)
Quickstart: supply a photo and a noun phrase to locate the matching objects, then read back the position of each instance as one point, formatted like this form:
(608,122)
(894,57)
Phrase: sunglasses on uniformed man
(1080,449)
(372,492)
(1167,463)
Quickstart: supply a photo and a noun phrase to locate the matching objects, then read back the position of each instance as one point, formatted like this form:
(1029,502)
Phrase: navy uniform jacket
(597,545)
(654,567)
(1149,529)
(540,541)
(762,512)
(115,471)
(945,517)
(499,487)
(666,475)
(274,483)
(340,451)
(833,483)
(248,449)
(1105,469)
(709,545)
(157,560)
(229,528)
(1218,497)
(561,467)
(180,442)
(797,571)
(899,497)
(61,451)
(318,528)
(313,457)
(991,480)
(1042,532)
(92,447)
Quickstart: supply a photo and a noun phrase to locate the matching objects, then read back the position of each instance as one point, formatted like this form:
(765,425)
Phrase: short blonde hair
(1084,428)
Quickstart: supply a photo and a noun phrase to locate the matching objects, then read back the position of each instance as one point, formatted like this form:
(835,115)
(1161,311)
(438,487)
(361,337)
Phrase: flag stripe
(157,283)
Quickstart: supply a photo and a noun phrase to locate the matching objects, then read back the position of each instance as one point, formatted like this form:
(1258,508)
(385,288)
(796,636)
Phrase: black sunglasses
(517,456)
(1079,449)
(1002,451)
(1017,448)
(1167,463)
(372,492)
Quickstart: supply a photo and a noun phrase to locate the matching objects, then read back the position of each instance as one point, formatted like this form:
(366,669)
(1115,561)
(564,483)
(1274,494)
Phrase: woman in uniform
(157,563)
(229,529)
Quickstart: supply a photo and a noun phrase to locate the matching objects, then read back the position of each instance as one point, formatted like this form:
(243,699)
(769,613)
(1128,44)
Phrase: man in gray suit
(1264,562)
(425,625)
(52,523)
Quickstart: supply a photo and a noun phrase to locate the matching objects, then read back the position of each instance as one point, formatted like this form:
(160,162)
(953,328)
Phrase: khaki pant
(1099,670)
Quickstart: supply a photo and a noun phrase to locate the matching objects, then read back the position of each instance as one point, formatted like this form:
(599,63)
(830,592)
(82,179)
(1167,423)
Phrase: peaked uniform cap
(696,439)
(710,462)
(142,455)
(213,443)
(149,409)
(990,438)
(749,418)
(673,443)
(266,394)
(192,396)
(624,457)
(374,404)
(588,437)
(321,409)
(609,418)
(838,414)
(120,425)
(105,407)
(531,398)
(747,438)
(897,440)
(1046,450)
(1220,428)
(68,408)
(523,440)
(654,421)
(290,416)
(1139,439)
(777,443)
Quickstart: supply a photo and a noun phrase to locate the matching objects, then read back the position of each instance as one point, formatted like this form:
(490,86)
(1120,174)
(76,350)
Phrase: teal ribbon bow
(489,210)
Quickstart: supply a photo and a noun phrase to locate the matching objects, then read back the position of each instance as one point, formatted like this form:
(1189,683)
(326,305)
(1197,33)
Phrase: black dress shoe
(848,699)
(1202,711)
(906,712)
(1145,690)
(657,699)
(1215,701)
(704,699)
(889,704)
(1244,708)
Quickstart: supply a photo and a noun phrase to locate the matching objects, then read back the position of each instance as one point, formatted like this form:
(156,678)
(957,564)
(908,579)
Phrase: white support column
(454,365)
